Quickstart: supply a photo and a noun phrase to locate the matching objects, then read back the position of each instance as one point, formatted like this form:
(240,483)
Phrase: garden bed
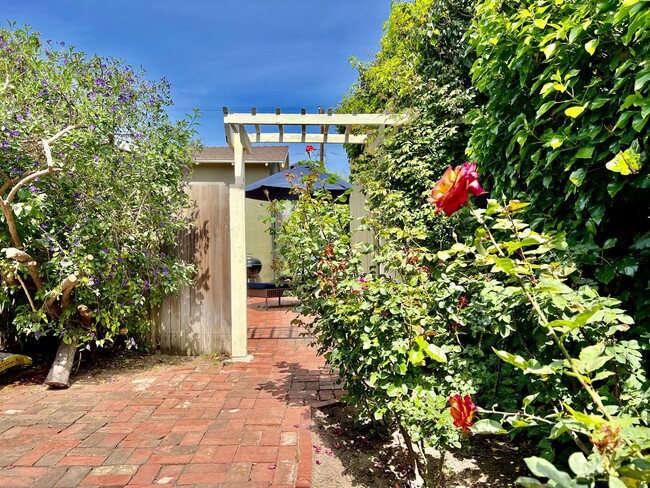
(348,454)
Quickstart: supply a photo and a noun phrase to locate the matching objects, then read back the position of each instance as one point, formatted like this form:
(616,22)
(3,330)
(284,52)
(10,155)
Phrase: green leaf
(544,108)
(615,482)
(549,50)
(578,464)
(528,399)
(542,467)
(556,142)
(436,353)
(592,352)
(578,176)
(585,152)
(614,187)
(605,274)
(627,266)
(591,46)
(642,242)
(505,264)
(488,426)
(515,360)
(610,243)
(641,79)
(527,482)
(625,162)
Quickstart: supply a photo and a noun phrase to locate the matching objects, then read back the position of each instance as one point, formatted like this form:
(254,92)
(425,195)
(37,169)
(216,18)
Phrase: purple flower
(165,272)
(133,341)
(20,118)
(95,158)
(92,335)
(33,189)
(13,133)
(4,144)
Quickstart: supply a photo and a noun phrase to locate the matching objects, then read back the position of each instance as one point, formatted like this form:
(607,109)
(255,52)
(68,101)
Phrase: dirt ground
(347,455)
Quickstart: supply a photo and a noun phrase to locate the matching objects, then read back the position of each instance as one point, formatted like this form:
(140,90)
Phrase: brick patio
(196,424)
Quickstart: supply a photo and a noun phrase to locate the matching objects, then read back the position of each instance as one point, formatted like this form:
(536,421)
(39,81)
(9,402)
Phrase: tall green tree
(92,176)
(422,69)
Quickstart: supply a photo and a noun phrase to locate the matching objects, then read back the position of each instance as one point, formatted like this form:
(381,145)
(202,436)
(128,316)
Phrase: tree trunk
(59,375)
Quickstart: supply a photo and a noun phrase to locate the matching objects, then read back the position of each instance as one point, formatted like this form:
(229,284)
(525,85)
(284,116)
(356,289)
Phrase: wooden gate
(198,320)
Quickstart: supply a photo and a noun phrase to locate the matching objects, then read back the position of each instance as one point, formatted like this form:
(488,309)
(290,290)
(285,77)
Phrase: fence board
(197,321)
(358,211)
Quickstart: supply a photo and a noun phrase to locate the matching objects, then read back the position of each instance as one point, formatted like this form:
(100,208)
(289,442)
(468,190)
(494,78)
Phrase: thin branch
(29,297)
(27,179)
(11,223)
(62,132)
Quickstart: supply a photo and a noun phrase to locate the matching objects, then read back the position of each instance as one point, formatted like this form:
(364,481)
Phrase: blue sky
(290,54)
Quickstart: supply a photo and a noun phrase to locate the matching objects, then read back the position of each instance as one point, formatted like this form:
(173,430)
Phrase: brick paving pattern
(199,424)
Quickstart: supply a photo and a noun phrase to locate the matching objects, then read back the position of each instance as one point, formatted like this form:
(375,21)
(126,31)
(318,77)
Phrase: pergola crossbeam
(312,119)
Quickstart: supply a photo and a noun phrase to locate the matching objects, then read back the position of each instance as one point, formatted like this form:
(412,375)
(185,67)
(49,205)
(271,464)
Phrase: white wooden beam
(238,293)
(313,119)
(243,137)
(309,138)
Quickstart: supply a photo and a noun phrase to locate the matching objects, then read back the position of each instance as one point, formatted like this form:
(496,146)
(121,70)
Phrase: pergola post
(238,255)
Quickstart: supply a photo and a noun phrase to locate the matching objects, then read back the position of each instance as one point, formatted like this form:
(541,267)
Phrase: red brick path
(198,424)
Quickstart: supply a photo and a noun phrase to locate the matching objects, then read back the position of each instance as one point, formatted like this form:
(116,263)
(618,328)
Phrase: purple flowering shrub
(92,178)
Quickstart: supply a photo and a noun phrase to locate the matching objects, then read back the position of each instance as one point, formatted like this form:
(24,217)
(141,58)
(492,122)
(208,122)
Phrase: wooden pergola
(245,129)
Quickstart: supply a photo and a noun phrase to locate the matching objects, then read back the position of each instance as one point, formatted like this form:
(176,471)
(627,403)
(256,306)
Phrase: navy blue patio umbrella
(278,186)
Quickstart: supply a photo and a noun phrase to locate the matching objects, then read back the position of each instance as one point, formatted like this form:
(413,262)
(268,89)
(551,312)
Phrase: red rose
(462,410)
(309,148)
(450,192)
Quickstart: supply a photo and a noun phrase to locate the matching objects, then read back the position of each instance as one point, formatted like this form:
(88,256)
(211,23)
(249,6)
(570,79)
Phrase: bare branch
(64,288)
(9,279)
(62,132)
(11,223)
(29,297)
(24,258)
(27,179)
(18,255)
(85,314)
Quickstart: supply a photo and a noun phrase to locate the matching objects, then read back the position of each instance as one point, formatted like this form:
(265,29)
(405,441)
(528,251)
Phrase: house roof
(259,154)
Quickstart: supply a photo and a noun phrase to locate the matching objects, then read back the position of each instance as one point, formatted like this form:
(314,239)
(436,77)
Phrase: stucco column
(238,256)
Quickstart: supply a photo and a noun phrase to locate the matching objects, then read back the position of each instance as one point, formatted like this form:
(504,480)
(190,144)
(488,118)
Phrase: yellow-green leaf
(549,50)
(591,46)
(556,142)
(625,162)
(541,23)
(575,111)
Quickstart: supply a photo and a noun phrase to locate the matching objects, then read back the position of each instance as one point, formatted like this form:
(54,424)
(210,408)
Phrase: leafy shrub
(565,127)
(92,176)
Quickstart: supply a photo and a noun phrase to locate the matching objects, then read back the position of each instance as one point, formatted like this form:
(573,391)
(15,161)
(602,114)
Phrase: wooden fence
(198,320)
